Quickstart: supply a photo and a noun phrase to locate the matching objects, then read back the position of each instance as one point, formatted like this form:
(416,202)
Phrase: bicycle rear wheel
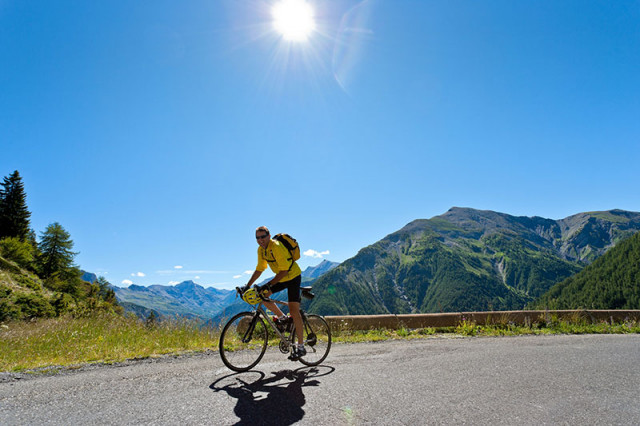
(317,339)
(243,341)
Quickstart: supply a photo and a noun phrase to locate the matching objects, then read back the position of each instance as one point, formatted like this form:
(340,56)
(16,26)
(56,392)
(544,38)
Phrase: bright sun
(293,19)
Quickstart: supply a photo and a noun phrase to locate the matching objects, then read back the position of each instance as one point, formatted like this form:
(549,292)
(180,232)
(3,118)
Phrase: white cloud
(127,282)
(174,282)
(316,254)
(244,273)
(177,267)
(138,274)
(189,272)
(196,278)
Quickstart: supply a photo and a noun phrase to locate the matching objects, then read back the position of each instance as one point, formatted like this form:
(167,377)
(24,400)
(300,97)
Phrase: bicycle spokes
(317,337)
(243,341)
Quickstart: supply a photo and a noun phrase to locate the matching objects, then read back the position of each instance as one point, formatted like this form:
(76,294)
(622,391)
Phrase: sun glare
(293,19)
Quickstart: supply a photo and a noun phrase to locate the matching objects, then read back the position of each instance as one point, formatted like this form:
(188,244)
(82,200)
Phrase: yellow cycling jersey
(278,258)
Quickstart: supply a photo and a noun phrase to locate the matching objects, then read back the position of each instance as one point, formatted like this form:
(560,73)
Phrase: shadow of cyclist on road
(277,399)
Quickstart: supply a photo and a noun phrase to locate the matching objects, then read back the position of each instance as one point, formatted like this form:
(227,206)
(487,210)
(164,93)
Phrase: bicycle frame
(259,310)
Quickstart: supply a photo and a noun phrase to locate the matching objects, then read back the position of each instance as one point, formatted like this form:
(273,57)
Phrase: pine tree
(56,255)
(14,215)
(106,292)
(33,240)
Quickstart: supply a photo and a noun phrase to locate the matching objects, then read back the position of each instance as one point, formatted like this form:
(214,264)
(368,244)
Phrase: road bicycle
(246,335)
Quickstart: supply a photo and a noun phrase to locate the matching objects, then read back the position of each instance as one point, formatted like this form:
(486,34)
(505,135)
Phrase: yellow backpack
(290,244)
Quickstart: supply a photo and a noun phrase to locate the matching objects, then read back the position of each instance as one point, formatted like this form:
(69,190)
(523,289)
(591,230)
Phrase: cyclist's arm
(253,278)
(262,265)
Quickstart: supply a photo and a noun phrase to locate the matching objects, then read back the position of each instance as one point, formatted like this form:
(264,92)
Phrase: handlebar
(305,292)
(259,289)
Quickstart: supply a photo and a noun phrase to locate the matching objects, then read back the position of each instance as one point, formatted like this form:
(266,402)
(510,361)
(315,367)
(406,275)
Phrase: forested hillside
(38,277)
(467,260)
(610,282)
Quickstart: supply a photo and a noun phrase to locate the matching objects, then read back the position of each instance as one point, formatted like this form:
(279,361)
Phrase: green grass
(110,338)
(107,338)
(468,328)
(572,326)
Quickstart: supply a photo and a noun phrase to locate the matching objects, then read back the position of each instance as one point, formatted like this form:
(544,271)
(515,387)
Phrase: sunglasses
(259,237)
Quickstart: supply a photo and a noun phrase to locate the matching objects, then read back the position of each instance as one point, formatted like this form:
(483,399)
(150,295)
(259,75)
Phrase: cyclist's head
(263,236)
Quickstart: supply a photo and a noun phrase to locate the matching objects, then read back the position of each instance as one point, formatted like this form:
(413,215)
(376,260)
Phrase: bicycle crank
(284,347)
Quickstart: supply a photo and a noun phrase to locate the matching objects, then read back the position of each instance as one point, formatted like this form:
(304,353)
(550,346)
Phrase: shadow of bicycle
(274,400)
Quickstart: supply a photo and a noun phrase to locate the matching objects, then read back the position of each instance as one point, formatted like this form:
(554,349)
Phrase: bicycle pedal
(294,357)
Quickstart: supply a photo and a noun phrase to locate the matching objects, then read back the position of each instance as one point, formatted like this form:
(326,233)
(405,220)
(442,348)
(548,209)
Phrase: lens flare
(351,43)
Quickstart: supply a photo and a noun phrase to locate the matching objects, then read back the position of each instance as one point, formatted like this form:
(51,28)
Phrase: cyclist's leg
(294,306)
(272,306)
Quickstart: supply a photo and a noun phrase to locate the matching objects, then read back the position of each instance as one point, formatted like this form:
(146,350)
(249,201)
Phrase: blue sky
(160,134)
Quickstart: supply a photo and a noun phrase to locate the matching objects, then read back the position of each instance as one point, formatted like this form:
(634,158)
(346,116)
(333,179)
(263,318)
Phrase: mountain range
(192,300)
(186,299)
(468,260)
(462,260)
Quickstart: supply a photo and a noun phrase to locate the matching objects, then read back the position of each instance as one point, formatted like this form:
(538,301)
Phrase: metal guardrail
(452,319)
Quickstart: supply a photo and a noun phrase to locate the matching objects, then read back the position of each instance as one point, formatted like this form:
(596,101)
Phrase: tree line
(611,282)
(47,261)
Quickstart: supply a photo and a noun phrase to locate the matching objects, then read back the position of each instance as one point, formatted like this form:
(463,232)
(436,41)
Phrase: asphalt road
(510,380)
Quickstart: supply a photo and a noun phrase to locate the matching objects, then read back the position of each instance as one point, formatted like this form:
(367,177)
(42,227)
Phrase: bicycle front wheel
(243,341)
(317,340)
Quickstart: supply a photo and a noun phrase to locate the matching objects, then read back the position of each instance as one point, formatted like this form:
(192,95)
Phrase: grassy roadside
(472,329)
(106,338)
(109,338)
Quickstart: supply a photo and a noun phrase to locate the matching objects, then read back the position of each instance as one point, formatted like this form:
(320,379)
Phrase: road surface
(509,380)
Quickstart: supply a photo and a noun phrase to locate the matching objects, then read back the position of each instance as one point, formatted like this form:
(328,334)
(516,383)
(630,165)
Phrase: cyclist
(277,257)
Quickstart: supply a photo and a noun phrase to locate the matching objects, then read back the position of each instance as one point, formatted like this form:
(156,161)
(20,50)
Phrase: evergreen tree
(106,292)
(33,240)
(56,255)
(17,251)
(152,319)
(14,215)
(611,282)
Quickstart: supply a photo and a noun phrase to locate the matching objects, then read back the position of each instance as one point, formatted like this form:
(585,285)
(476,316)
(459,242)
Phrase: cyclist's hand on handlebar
(263,289)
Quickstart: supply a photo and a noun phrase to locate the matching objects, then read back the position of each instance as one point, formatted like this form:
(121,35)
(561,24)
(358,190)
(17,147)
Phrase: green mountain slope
(468,259)
(610,282)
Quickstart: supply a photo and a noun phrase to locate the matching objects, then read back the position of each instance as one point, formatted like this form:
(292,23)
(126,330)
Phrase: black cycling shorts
(293,287)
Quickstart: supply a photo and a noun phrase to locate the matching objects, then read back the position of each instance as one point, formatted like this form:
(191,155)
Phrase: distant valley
(189,299)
